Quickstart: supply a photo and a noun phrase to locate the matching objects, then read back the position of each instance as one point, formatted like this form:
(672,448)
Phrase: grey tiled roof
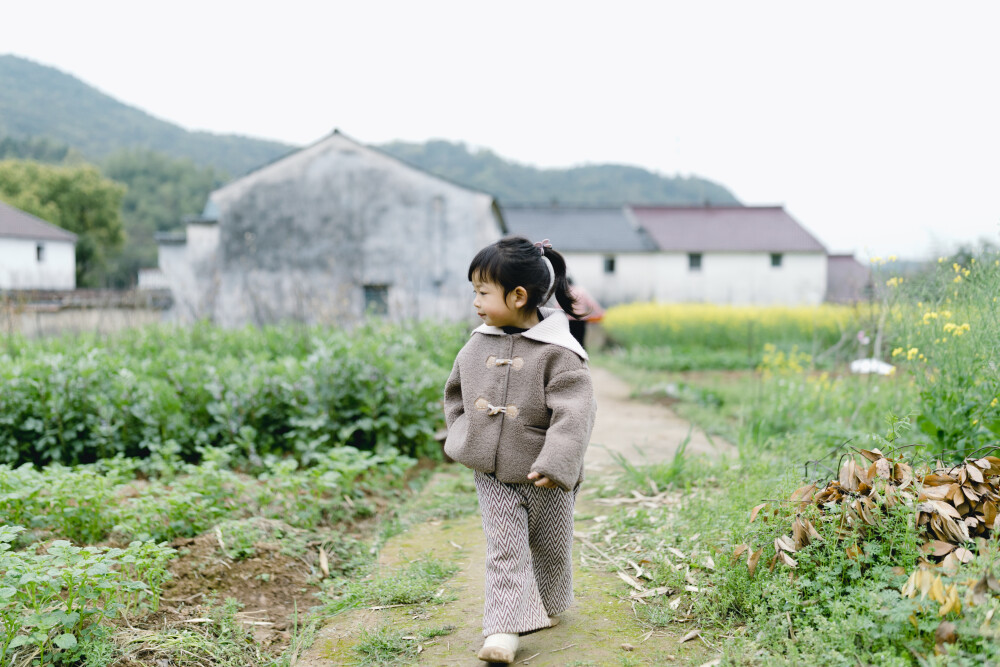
(725,229)
(578,229)
(16,223)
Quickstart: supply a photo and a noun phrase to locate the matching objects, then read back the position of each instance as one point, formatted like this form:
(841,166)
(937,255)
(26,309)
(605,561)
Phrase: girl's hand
(542,481)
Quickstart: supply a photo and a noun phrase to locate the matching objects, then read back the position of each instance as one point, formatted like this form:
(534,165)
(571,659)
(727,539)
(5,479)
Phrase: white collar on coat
(554,329)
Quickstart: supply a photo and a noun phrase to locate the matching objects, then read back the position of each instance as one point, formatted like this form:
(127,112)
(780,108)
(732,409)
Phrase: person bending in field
(520,408)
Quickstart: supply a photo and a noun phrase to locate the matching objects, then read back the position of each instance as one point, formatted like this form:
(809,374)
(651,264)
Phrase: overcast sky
(877,124)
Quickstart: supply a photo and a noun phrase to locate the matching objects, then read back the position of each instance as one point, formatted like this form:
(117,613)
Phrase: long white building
(699,254)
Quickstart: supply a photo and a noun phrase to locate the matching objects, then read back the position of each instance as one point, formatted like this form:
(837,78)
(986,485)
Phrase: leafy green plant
(50,598)
(947,344)
(165,394)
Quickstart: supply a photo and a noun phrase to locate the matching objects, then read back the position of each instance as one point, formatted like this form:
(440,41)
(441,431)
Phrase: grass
(835,608)
(420,582)
(384,646)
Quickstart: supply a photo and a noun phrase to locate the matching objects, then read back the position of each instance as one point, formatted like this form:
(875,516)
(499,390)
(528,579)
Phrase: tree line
(115,207)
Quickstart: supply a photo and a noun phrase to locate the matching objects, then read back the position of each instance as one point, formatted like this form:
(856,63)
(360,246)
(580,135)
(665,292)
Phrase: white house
(329,233)
(35,254)
(743,255)
(713,254)
(606,251)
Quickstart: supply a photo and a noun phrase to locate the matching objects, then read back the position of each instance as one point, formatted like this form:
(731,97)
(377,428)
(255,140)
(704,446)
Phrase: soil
(272,587)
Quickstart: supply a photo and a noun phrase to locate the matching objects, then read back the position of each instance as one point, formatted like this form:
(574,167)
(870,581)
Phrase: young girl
(520,408)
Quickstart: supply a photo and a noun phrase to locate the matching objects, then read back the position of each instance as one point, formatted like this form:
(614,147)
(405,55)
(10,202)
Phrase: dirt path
(641,432)
(594,631)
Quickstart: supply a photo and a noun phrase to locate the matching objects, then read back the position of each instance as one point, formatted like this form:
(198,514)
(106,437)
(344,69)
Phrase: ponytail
(561,287)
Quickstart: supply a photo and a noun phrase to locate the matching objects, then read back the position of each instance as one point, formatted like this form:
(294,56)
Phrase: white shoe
(499,648)
(553,621)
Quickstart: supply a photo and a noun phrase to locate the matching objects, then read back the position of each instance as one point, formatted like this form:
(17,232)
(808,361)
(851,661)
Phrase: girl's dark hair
(514,262)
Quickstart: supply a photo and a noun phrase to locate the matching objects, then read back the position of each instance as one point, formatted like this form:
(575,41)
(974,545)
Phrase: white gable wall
(743,279)
(20,268)
(634,277)
(724,278)
(301,238)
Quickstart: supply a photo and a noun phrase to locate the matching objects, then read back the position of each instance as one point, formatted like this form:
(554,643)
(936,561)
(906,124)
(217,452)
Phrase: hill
(512,183)
(40,101)
(45,113)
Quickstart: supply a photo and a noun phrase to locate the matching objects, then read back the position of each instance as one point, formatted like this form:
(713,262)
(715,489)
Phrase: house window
(609,264)
(40,252)
(377,299)
(694,261)
(775,259)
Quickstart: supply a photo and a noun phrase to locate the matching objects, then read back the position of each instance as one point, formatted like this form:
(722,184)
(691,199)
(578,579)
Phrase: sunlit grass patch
(420,582)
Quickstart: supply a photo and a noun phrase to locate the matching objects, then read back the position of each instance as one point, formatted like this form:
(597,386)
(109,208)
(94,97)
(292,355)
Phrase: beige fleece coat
(517,403)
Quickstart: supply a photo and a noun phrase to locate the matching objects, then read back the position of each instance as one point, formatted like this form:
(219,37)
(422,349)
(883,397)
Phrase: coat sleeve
(570,397)
(454,415)
(453,406)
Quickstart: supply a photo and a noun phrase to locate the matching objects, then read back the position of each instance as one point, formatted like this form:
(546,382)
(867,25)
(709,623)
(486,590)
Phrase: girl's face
(492,307)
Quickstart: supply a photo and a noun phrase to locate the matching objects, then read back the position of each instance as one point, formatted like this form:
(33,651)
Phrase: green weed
(421,582)
(384,646)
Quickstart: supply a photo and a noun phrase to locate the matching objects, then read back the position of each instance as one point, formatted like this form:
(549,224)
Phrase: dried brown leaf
(848,479)
(677,552)
(902,474)
(803,493)
(694,634)
(872,455)
(951,603)
(975,474)
(324,562)
(799,534)
(739,551)
(883,469)
(752,561)
(935,479)
(756,510)
(942,492)
(950,564)
(946,509)
(945,633)
(938,549)
(630,581)
(813,533)
(964,555)
(980,591)
(784,543)
(787,560)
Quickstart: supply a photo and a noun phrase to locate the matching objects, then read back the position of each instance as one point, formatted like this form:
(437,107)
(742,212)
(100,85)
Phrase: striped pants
(529,547)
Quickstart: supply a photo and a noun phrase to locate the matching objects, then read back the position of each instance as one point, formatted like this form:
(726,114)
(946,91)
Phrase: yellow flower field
(719,327)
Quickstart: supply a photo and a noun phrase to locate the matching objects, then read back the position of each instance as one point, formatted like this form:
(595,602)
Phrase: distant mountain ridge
(588,185)
(41,104)
(41,101)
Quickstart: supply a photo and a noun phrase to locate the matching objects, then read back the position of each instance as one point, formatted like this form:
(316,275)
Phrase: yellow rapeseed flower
(892,258)
(893,282)
(957,279)
(993,403)
(911,353)
(956,266)
(897,351)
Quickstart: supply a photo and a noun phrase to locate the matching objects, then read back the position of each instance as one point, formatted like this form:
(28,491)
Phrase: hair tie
(542,245)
